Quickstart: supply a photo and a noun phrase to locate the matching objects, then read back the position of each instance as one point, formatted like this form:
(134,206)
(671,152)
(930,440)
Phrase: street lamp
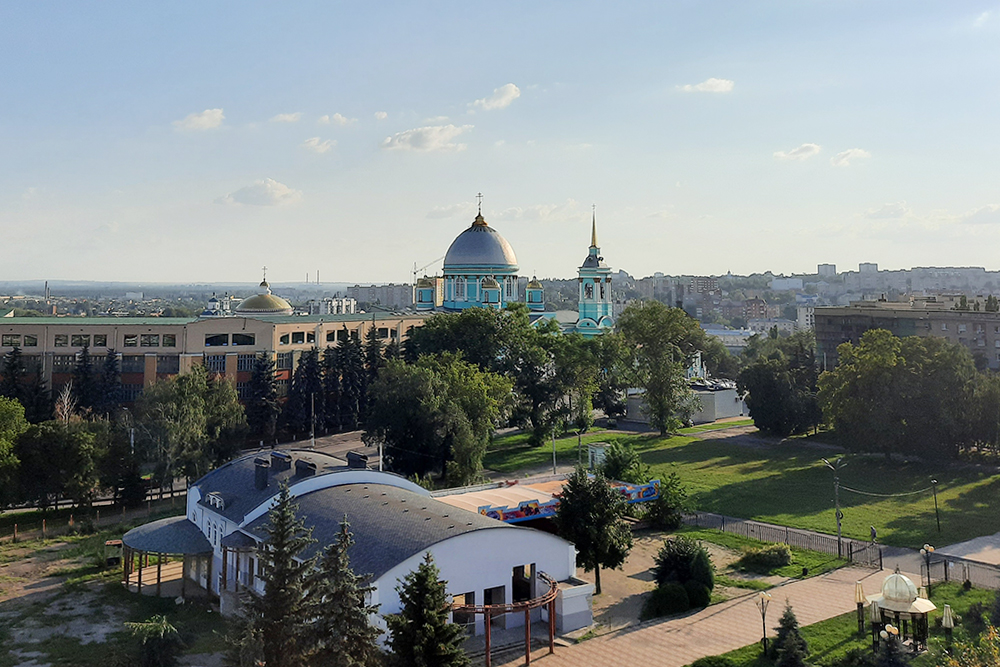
(835,467)
(926,552)
(937,513)
(762,601)
(889,633)
(948,623)
(859,600)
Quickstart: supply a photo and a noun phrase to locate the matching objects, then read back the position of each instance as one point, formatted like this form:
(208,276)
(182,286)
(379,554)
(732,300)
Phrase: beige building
(158,347)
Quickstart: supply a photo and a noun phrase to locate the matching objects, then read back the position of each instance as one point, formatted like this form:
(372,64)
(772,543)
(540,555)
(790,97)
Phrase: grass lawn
(814,561)
(788,484)
(830,639)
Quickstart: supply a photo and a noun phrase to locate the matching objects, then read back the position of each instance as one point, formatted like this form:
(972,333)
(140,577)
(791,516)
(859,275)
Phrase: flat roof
(505,496)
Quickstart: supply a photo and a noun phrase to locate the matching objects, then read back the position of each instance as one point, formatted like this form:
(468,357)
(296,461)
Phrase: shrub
(995,611)
(856,657)
(766,558)
(698,594)
(670,598)
(667,510)
(681,560)
(713,661)
(622,463)
(973,620)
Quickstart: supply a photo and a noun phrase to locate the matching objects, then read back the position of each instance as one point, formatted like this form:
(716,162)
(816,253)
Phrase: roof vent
(356,460)
(260,469)
(281,461)
(304,468)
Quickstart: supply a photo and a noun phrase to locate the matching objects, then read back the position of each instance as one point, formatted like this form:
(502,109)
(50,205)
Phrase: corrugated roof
(389,524)
(174,535)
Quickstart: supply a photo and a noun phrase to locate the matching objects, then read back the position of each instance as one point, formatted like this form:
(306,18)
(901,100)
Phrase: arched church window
(602,291)
(459,288)
(588,291)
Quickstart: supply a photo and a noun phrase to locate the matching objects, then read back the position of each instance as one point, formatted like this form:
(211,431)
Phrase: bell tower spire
(593,227)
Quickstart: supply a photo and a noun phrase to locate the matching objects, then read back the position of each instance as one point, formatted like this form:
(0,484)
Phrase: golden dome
(490,283)
(534,284)
(264,303)
(425,282)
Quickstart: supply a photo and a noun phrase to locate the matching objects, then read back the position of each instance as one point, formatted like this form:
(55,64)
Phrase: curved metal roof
(480,246)
(174,535)
(264,303)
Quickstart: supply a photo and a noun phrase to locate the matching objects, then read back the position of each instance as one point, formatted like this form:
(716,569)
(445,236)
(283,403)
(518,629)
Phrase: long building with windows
(158,347)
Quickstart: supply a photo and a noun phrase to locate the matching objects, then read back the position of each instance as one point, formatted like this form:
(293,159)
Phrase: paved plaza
(717,629)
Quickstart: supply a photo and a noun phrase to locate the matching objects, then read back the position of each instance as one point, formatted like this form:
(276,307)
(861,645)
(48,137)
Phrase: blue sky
(198,141)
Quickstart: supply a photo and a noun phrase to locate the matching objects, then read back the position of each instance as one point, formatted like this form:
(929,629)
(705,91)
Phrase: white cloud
(266,192)
(381,115)
(542,212)
(981,20)
(206,120)
(315,145)
(893,210)
(500,99)
(843,158)
(803,152)
(985,215)
(337,119)
(287,117)
(430,138)
(712,85)
(436,120)
(465,209)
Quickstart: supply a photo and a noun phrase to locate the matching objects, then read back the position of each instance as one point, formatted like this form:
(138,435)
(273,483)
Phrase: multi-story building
(758,309)
(977,330)
(391,295)
(764,325)
(826,270)
(333,306)
(703,284)
(806,317)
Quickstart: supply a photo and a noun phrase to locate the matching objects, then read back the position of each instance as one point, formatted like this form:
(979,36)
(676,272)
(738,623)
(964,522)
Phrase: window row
(101,340)
(338,336)
(225,340)
(14,340)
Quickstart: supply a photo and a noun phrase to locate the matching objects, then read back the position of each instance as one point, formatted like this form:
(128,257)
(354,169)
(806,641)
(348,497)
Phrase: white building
(805,318)
(826,270)
(786,284)
(333,306)
(764,325)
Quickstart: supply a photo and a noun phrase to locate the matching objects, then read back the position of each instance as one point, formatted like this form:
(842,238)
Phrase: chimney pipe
(304,468)
(355,460)
(260,469)
(281,461)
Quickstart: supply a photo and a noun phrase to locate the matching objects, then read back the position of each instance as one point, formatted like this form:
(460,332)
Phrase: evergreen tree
(337,599)
(372,350)
(393,351)
(13,372)
(271,627)
(590,515)
(110,389)
(305,397)
(353,387)
(331,388)
(37,400)
(788,639)
(420,633)
(85,381)
(262,399)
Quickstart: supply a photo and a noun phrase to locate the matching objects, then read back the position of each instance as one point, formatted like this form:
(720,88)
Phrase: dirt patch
(80,616)
(28,575)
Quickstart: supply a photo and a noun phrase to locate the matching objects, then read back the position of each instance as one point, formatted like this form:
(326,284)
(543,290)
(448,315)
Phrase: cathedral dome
(264,303)
(480,246)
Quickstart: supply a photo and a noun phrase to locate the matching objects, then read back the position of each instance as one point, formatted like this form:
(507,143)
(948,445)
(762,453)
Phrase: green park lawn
(788,484)
(830,639)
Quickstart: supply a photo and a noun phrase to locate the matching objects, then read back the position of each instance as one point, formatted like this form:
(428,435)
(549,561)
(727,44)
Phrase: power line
(886,495)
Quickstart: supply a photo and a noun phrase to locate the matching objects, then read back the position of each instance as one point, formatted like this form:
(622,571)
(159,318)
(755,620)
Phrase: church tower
(596,306)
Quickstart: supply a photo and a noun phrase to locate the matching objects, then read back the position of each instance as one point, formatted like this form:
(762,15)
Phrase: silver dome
(480,245)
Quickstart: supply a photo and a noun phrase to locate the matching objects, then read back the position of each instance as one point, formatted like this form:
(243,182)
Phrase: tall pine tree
(420,634)
(13,372)
(262,399)
(305,397)
(374,361)
(85,381)
(353,387)
(338,604)
(331,388)
(271,628)
(110,387)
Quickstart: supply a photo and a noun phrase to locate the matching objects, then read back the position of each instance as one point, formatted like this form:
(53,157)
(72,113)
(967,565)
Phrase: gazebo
(166,540)
(900,604)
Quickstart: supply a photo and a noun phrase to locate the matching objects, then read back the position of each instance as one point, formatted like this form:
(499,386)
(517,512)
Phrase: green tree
(393,350)
(718,359)
(272,627)
(331,388)
(372,352)
(681,560)
(12,425)
(613,365)
(86,383)
(623,463)
(261,404)
(591,516)
(667,510)
(13,372)
(159,641)
(109,386)
(337,602)
(663,341)
(420,634)
(788,648)
(57,460)
(891,653)
(305,396)
(353,384)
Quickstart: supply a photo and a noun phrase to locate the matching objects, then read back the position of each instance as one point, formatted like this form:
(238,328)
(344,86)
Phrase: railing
(955,568)
(855,551)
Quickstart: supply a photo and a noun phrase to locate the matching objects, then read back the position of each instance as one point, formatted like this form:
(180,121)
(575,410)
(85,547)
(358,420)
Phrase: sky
(194,141)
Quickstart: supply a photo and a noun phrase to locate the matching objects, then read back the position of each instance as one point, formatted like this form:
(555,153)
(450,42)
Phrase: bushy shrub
(681,560)
(973,620)
(766,558)
(622,463)
(713,661)
(698,594)
(856,657)
(995,611)
(667,510)
(670,598)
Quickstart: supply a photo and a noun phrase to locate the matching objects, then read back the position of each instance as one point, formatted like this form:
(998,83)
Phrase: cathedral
(481,271)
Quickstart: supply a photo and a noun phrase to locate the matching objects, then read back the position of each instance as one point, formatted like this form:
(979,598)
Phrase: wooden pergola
(489,611)
(163,542)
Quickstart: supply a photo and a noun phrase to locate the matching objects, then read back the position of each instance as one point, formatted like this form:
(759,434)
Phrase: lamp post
(859,600)
(937,513)
(762,601)
(948,623)
(926,552)
(875,617)
(835,467)
(890,633)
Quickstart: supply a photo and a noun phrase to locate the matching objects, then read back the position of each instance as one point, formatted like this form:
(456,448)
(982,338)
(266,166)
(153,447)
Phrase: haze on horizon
(192,142)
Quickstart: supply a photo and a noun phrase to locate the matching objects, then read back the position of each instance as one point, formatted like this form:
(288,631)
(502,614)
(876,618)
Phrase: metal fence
(855,551)
(947,568)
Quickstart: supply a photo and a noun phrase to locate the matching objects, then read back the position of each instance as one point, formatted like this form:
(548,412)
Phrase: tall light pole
(835,467)
(937,513)
(926,552)
(762,601)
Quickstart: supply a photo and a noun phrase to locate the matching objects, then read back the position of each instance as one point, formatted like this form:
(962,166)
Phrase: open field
(787,483)
(829,640)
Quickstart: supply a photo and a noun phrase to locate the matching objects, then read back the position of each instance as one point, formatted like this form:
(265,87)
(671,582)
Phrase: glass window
(284,361)
(331,336)
(149,340)
(79,340)
(216,362)
(342,336)
(283,340)
(310,336)
(30,340)
(216,340)
(61,340)
(243,339)
(383,332)
(961,328)
(100,340)
(11,340)
(298,337)
(168,363)
(133,364)
(944,326)
(131,340)
(245,362)
(63,363)
(169,340)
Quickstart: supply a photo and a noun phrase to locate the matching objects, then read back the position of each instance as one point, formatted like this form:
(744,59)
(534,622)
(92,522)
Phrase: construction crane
(426,266)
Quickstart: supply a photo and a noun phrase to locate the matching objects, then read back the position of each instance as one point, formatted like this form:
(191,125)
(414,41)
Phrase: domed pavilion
(901,604)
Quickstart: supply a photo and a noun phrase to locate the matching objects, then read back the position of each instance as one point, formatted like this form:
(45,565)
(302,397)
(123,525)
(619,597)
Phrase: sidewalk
(717,629)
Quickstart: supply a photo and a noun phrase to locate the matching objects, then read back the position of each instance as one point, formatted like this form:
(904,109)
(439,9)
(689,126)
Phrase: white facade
(806,317)
(785,284)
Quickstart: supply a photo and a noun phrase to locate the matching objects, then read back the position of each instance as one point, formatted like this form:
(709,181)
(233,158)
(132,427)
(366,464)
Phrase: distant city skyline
(192,143)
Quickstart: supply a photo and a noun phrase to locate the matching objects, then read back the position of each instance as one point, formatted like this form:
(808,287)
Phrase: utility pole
(835,467)
(937,513)
(312,419)
(553,450)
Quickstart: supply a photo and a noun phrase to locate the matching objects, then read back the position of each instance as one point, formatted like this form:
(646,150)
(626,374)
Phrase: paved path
(717,629)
